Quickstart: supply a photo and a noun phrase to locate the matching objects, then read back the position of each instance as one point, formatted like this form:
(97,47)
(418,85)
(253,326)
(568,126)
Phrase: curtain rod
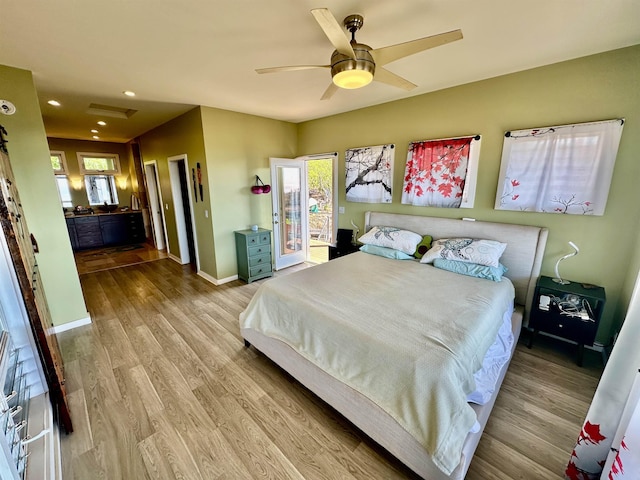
(322,155)
(475,137)
(570,125)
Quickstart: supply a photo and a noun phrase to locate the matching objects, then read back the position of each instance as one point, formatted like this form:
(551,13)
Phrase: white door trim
(178,208)
(300,256)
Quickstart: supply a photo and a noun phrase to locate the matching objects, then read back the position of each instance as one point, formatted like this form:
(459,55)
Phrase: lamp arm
(568,255)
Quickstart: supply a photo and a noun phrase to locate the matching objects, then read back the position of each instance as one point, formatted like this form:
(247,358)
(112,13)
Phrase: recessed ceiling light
(55,103)
(94,130)
(96,137)
(129,93)
(102,123)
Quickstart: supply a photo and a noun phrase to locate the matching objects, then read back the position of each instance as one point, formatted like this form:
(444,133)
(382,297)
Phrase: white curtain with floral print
(610,425)
(563,169)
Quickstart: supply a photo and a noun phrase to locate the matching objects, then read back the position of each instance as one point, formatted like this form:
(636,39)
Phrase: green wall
(231,148)
(182,135)
(592,88)
(78,190)
(31,164)
(238,147)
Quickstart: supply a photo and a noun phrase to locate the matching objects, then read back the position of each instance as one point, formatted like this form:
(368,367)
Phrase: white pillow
(392,237)
(482,252)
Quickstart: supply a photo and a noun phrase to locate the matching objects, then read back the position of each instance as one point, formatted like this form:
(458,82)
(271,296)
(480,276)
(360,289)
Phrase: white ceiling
(176,54)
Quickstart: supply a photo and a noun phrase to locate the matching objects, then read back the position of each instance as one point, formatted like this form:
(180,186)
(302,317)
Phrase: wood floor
(98,259)
(161,387)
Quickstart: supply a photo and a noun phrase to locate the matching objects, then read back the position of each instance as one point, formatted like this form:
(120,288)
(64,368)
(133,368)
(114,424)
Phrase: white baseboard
(215,281)
(174,258)
(71,325)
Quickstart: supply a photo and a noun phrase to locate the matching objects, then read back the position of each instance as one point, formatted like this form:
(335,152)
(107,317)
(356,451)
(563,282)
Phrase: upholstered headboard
(523,255)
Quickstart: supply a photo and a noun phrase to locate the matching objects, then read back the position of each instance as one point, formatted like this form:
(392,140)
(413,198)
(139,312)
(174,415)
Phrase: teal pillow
(385,252)
(471,269)
(423,246)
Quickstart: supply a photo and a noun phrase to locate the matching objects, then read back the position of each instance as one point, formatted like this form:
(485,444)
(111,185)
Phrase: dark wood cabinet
(105,230)
(570,311)
(113,229)
(71,228)
(135,227)
(88,232)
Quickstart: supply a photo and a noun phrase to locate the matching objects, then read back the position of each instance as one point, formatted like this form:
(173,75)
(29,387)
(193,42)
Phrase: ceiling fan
(353,64)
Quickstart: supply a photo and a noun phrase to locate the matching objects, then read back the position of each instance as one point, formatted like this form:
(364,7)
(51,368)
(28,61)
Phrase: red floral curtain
(436,172)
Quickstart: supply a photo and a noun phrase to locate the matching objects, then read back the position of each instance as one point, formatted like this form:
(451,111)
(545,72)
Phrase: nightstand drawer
(260,260)
(259,239)
(571,328)
(260,270)
(259,250)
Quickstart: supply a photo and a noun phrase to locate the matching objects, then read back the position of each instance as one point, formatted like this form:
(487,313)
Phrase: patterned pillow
(392,237)
(471,269)
(482,252)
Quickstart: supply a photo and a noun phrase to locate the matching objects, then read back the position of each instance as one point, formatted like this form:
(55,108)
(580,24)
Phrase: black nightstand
(342,250)
(569,311)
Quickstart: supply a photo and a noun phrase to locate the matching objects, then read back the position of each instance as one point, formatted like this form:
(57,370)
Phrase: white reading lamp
(558,278)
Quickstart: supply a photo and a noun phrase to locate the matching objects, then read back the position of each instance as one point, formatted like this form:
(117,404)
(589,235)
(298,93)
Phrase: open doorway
(156,210)
(185,221)
(304,217)
(320,187)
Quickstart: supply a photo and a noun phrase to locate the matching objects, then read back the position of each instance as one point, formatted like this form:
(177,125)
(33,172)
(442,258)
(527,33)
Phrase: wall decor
(442,173)
(193,176)
(369,173)
(199,173)
(562,169)
(260,187)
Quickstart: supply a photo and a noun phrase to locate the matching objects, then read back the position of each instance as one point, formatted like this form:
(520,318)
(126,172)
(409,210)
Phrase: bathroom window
(98,163)
(101,189)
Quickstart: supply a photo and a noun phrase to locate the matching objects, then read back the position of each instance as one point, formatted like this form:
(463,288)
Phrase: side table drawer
(260,249)
(571,328)
(260,260)
(259,239)
(260,269)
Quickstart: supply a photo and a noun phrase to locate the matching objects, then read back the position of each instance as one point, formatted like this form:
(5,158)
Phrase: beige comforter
(405,334)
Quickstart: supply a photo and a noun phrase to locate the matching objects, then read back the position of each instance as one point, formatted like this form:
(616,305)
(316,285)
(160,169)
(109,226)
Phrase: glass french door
(290,211)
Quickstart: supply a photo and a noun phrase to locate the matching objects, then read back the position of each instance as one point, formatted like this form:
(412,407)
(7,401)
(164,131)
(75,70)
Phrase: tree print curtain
(565,169)
(370,174)
(610,429)
(439,173)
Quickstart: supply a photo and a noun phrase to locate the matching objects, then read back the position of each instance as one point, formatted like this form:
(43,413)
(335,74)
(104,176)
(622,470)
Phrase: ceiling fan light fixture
(349,73)
(351,79)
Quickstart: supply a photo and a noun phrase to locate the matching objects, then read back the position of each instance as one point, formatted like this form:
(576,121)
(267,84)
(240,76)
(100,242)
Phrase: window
(101,189)
(102,163)
(58,162)
(62,182)
(565,169)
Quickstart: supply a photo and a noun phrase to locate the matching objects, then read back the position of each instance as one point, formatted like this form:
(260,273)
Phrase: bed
(316,325)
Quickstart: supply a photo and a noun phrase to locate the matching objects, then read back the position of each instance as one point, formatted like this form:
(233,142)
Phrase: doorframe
(178,206)
(333,156)
(156,204)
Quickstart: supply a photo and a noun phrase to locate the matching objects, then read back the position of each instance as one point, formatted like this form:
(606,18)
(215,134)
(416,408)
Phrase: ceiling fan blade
(290,68)
(385,76)
(385,55)
(328,93)
(333,31)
